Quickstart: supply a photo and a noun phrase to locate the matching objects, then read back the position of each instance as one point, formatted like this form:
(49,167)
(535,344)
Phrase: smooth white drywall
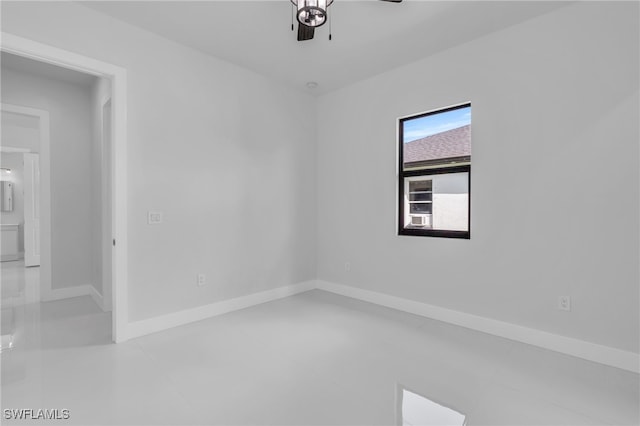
(226,154)
(14,161)
(20,131)
(69,109)
(554,191)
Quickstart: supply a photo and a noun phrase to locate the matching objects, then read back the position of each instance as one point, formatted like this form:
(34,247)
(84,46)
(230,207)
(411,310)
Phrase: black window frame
(436,170)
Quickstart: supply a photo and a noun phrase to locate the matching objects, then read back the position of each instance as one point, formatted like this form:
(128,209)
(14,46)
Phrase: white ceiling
(369,37)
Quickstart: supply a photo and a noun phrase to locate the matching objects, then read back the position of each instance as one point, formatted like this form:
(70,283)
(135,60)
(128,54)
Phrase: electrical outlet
(564,303)
(202,280)
(347,266)
(154,218)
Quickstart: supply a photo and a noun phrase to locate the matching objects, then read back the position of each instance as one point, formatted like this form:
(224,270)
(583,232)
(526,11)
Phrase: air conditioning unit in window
(419,220)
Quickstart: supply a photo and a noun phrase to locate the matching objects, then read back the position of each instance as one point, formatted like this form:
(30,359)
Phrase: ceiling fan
(312,14)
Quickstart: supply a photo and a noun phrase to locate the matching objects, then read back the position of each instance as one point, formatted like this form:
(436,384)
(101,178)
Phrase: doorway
(113,131)
(25,153)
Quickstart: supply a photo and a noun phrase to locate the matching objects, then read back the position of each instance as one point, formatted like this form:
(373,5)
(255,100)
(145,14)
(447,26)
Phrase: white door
(31,209)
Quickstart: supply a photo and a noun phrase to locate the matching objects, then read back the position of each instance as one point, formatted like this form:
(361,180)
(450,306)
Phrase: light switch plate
(154,218)
(202,280)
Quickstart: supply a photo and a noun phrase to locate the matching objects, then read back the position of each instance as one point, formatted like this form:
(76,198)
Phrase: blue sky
(436,123)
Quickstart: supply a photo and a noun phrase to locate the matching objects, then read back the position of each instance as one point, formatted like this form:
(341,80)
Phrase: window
(435,173)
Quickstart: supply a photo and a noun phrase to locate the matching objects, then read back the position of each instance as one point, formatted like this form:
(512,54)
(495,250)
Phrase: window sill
(413,232)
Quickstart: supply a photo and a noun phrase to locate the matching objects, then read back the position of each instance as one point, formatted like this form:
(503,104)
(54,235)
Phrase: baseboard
(606,355)
(12,257)
(629,361)
(97,297)
(69,292)
(164,322)
(50,295)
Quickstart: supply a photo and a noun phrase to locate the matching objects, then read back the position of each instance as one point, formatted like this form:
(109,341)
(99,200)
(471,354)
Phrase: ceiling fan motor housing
(312,13)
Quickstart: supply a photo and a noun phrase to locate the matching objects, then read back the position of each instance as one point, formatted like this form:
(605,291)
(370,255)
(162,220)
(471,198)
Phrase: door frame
(106,203)
(118,76)
(32,211)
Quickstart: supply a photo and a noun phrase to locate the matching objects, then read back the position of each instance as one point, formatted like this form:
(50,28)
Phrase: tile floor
(311,359)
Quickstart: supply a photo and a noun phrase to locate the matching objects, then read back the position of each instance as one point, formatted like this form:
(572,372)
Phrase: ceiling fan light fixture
(312,13)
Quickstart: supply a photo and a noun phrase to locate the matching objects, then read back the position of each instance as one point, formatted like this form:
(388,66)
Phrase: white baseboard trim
(164,322)
(97,297)
(9,257)
(50,295)
(629,361)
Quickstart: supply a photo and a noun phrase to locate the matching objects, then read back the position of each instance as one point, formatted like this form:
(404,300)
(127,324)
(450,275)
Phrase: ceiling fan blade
(393,1)
(305,32)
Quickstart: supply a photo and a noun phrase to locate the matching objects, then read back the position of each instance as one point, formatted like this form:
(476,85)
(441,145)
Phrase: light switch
(155,218)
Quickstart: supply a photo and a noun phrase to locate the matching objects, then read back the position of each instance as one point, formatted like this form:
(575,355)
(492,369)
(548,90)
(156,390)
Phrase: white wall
(20,131)
(225,153)
(70,140)
(451,183)
(14,161)
(451,201)
(554,177)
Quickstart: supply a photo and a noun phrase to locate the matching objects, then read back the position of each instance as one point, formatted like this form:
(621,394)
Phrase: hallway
(29,326)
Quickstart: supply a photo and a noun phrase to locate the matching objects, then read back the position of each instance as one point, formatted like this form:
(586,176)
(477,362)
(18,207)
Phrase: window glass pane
(434,173)
(420,208)
(437,139)
(420,185)
(445,205)
(420,196)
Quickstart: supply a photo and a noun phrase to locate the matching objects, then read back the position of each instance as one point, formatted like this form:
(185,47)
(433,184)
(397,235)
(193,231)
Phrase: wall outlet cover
(564,303)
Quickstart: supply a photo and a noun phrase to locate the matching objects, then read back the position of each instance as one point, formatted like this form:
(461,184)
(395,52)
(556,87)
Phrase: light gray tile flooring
(315,358)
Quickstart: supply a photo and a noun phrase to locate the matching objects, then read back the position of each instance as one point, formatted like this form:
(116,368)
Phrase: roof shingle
(450,144)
